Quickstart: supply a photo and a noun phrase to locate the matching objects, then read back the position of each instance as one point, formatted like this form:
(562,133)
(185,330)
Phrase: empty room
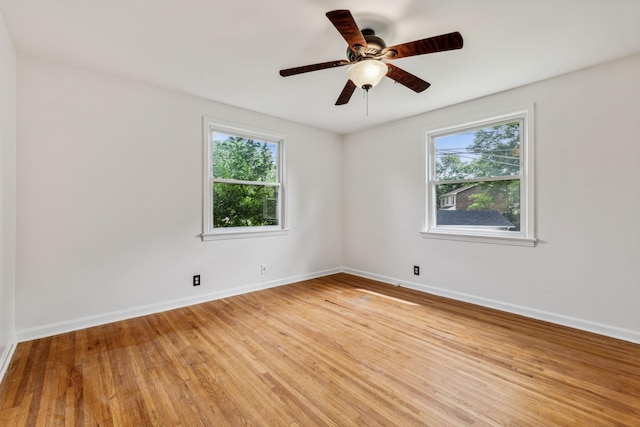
(303,213)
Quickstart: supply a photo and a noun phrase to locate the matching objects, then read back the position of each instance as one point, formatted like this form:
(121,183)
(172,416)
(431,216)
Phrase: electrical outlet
(196,280)
(263,269)
(416,270)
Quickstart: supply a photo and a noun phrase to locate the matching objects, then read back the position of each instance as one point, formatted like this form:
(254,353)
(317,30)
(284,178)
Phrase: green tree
(497,149)
(481,202)
(449,167)
(244,204)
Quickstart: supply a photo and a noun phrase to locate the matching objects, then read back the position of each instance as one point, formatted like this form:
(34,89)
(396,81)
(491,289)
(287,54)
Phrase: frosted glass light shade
(367,73)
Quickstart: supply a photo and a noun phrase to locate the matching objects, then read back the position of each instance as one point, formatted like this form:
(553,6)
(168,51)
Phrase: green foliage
(450,167)
(512,209)
(243,159)
(244,204)
(498,149)
(481,202)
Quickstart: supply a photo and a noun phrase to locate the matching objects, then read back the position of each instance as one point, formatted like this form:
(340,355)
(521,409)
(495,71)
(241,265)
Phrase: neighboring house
(458,199)
(453,211)
(491,220)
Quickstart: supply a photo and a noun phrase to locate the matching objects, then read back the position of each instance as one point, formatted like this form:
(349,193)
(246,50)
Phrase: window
(243,184)
(480,181)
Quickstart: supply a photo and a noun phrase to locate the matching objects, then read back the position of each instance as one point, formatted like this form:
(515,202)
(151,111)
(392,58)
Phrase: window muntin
(480,181)
(244,189)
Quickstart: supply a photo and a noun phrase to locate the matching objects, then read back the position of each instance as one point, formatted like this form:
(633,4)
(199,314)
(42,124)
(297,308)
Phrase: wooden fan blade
(313,67)
(440,43)
(407,79)
(347,27)
(345,96)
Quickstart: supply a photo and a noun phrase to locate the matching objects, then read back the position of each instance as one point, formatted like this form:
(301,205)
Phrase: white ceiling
(231,51)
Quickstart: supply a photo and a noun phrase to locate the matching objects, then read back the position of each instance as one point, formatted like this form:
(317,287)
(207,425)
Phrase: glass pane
(490,205)
(243,205)
(486,152)
(244,159)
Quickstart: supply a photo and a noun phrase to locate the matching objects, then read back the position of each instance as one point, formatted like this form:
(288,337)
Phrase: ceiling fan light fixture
(367,73)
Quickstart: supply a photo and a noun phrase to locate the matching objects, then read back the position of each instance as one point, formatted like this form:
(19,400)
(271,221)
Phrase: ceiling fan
(367,52)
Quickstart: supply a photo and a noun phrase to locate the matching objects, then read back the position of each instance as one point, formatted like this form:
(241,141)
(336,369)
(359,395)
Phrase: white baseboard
(115,316)
(101,319)
(5,357)
(572,322)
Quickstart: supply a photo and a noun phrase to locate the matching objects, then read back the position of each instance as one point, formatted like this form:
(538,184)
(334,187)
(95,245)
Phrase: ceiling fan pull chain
(366,97)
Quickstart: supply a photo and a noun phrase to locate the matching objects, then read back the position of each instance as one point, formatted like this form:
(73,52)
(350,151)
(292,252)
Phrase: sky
(455,144)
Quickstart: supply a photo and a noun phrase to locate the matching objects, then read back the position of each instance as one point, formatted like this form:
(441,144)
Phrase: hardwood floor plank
(335,351)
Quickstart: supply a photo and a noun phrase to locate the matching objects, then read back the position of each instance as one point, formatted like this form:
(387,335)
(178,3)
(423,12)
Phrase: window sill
(480,238)
(237,233)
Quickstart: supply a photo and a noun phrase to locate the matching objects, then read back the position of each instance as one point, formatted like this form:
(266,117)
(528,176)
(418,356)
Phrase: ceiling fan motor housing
(375,45)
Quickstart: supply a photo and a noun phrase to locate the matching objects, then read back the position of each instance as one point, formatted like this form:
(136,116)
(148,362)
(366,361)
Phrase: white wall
(585,270)
(110,201)
(7,195)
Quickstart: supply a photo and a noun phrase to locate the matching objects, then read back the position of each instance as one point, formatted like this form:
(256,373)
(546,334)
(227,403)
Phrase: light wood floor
(339,351)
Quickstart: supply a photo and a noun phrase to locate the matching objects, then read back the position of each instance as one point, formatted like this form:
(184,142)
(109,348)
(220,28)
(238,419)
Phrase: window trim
(526,235)
(208,231)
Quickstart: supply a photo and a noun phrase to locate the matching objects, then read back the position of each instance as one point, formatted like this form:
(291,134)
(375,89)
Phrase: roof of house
(478,218)
(459,190)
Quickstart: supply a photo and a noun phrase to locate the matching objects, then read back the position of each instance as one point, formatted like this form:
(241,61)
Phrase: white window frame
(209,232)
(526,235)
